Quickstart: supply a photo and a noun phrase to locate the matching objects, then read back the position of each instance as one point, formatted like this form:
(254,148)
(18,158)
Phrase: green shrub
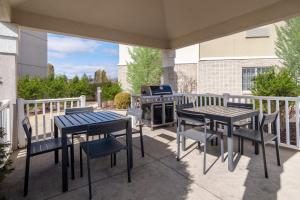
(31,88)
(122,100)
(5,161)
(272,83)
(110,90)
(54,87)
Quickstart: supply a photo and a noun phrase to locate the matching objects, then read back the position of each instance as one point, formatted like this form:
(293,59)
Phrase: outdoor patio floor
(159,176)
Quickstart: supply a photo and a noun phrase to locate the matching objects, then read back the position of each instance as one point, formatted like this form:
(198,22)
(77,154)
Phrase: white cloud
(110,51)
(71,70)
(65,45)
(53,54)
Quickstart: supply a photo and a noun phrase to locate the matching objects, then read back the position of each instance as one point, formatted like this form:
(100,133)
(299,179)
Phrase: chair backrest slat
(191,116)
(109,127)
(136,112)
(27,127)
(183,106)
(28,131)
(70,111)
(269,118)
(239,105)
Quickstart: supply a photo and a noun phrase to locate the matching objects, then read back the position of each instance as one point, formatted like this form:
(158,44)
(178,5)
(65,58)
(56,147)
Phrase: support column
(168,62)
(9,36)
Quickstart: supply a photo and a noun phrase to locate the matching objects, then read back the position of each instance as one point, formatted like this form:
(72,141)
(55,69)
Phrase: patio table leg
(129,142)
(230,147)
(256,147)
(183,144)
(56,151)
(64,162)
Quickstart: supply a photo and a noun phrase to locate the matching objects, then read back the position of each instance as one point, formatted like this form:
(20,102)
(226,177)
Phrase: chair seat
(241,123)
(122,133)
(189,123)
(47,146)
(254,135)
(197,135)
(102,147)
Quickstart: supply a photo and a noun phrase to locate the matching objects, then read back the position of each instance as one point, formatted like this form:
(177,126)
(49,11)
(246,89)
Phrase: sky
(75,56)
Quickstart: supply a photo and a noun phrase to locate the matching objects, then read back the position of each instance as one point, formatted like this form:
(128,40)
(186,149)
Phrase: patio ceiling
(162,24)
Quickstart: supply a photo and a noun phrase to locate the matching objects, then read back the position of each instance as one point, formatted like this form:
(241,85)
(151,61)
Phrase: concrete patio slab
(159,176)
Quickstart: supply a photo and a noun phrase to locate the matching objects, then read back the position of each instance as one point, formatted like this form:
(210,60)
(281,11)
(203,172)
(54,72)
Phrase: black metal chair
(180,107)
(41,147)
(137,113)
(200,136)
(261,136)
(70,111)
(103,147)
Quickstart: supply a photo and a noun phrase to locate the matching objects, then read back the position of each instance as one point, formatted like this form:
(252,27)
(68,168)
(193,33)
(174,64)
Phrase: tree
(271,83)
(110,90)
(56,87)
(288,45)
(79,87)
(100,76)
(50,70)
(31,88)
(145,68)
(5,161)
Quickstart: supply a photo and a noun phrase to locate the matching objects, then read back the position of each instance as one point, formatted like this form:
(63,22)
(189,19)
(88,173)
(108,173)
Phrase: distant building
(22,52)
(32,57)
(223,65)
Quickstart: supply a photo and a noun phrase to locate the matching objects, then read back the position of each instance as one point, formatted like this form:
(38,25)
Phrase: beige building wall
(32,58)
(8,56)
(122,77)
(259,42)
(216,66)
(222,60)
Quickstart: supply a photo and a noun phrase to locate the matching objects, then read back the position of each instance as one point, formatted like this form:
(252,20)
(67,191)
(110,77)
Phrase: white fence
(287,127)
(41,113)
(5,120)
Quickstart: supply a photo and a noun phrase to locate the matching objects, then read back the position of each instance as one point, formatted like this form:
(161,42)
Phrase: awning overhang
(164,24)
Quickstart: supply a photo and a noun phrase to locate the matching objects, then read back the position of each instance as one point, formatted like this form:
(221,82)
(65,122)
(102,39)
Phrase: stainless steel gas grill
(157,102)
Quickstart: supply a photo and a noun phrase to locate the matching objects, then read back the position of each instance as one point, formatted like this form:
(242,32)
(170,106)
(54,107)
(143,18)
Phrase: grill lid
(156,90)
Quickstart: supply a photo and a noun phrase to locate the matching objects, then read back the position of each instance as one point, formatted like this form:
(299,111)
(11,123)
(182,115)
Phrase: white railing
(200,100)
(288,129)
(41,113)
(5,120)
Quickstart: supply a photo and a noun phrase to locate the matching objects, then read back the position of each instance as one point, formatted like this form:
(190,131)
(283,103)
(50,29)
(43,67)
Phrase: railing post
(21,115)
(99,100)
(82,101)
(225,99)
(9,123)
(133,100)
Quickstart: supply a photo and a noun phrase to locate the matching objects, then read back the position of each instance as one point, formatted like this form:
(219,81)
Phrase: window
(262,32)
(248,74)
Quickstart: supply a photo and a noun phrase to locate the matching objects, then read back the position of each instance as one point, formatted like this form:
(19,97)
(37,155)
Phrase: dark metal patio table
(228,115)
(69,124)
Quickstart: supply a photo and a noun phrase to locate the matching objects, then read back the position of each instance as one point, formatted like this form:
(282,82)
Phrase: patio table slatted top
(224,113)
(82,120)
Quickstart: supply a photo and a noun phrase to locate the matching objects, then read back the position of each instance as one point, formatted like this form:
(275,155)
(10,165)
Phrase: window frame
(250,77)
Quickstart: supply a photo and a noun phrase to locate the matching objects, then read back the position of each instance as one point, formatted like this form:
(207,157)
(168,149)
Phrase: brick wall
(225,76)
(214,76)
